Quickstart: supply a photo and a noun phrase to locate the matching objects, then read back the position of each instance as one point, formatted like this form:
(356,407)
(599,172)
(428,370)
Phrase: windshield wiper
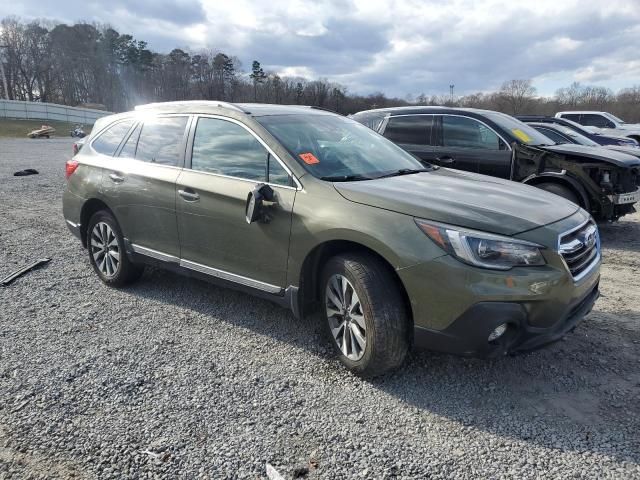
(405,171)
(345,178)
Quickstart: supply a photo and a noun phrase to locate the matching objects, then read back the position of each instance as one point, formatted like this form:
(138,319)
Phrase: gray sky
(397,47)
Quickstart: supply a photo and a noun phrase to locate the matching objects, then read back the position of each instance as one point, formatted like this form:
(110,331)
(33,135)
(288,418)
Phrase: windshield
(523,132)
(330,146)
(581,139)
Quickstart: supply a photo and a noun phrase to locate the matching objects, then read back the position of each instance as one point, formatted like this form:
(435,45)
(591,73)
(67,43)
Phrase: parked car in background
(316,212)
(599,138)
(561,134)
(605,122)
(605,183)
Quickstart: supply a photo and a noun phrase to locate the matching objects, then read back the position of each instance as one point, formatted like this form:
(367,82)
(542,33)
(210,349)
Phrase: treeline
(88,64)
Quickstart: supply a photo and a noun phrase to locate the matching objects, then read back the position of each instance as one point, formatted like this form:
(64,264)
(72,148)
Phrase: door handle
(189,195)
(445,159)
(115,178)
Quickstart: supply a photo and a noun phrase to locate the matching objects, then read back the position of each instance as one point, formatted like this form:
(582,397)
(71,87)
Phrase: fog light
(498,332)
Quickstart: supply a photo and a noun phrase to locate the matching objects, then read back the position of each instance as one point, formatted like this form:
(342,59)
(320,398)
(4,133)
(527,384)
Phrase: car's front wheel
(560,190)
(107,254)
(366,316)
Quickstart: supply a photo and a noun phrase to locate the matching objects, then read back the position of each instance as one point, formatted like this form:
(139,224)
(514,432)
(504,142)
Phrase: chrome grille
(580,249)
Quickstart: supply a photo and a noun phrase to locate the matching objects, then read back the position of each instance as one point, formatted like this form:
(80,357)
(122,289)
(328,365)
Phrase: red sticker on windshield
(309,158)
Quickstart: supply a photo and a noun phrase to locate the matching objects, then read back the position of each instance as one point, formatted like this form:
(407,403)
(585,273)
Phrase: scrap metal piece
(11,277)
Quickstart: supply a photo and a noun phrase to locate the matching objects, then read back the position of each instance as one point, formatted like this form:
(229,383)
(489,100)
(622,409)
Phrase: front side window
(160,140)
(553,135)
(464,132)
(594,120)
(108,141)
(334,146)
(226,148)
(409,129)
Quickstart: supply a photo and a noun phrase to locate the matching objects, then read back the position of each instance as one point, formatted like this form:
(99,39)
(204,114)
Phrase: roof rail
(210,103)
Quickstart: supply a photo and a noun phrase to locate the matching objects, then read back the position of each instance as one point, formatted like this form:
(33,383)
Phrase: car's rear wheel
(366,317)
(561,191)
(107,253)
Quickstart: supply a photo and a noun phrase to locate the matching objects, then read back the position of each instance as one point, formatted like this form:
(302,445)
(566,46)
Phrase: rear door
(141,184)
(225,162)
(468,144)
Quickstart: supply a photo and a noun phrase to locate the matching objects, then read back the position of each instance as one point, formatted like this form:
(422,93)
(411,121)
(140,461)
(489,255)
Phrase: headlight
(483,249)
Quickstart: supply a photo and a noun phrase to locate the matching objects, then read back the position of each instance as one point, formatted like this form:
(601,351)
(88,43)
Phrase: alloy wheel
(346,317)
(104,249)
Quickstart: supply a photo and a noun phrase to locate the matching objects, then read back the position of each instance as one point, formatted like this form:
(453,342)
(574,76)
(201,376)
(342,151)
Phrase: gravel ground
(174,377)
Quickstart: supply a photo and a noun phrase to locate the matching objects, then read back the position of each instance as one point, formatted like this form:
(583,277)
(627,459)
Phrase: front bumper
(625,198)
(468,335)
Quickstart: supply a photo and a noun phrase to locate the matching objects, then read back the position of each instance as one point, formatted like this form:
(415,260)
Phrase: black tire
(126,271)
(561,191)
(385,314)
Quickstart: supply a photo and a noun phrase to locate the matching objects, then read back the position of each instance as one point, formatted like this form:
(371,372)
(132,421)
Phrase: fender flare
(561,177)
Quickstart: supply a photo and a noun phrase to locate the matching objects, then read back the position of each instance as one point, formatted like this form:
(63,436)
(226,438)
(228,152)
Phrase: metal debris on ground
(272,473)
(18,273)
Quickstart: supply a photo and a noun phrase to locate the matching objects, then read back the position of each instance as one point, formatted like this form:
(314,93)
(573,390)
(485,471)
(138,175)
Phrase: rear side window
(108,141)
(466,132)
(160,140)
(574,117)
(129,149)
(371,120)
(226,148)
(410,129)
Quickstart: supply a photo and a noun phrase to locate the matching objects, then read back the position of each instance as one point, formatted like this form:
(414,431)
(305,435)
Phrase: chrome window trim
(453,115)
(214,272)
(248,180)
(596,261)
(262,142)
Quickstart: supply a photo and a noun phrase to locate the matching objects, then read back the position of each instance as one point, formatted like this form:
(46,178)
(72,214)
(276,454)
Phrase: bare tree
(517,94)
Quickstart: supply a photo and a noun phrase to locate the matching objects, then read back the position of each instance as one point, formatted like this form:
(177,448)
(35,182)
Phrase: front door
(467,144)
(225,163)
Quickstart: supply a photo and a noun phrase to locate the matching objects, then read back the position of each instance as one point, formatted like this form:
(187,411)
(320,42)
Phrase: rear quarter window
(108,141)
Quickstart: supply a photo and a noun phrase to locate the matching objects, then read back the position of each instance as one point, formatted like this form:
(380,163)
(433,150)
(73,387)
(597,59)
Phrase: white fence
(49,111)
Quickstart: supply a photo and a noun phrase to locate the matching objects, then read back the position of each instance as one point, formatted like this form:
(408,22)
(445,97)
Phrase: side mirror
(255,209)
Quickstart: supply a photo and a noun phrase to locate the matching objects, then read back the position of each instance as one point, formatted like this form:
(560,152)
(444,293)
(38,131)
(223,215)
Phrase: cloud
(394,46)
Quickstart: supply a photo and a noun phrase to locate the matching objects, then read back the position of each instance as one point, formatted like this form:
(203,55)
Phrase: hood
(629,127)
(634,151)
(460,198)
(597,153)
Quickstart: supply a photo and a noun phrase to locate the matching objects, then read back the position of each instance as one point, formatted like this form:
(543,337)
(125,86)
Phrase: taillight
(70,167)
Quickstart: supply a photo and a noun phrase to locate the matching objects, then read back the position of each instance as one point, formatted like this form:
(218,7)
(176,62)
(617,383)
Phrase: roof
(580,112)
(417,109)
(214,106)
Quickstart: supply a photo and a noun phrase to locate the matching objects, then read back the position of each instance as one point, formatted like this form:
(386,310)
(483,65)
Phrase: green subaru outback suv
(319,213)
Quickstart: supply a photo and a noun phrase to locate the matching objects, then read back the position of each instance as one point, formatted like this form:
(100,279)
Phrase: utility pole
(451,87)
(4,77)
